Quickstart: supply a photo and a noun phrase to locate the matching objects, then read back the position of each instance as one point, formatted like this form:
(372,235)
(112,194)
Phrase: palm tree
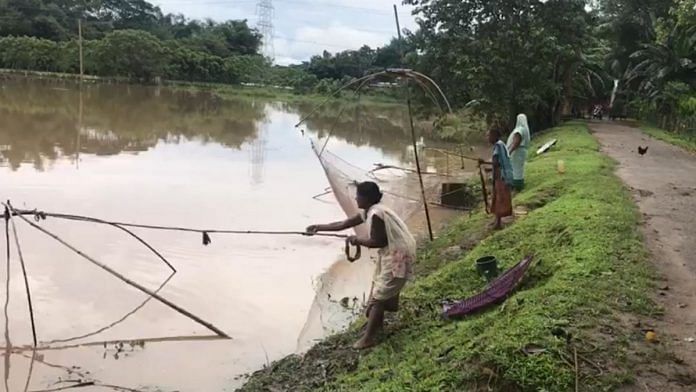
(673,60)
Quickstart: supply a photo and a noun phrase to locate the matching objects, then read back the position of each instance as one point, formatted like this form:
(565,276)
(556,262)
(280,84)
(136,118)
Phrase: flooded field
(158,156)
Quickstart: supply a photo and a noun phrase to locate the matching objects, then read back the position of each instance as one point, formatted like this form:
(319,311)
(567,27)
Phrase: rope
(331,130)
(43,215)
(347,251)
(39,215)
(380,166)
(452,153)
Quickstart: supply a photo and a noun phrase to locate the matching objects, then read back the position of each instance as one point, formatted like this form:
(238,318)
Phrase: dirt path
(664,187)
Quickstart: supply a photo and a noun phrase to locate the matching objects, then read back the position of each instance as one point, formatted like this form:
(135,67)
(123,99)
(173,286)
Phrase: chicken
(642,150)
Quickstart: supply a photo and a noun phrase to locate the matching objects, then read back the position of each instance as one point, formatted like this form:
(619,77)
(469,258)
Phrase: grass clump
(685,140)
(591,272)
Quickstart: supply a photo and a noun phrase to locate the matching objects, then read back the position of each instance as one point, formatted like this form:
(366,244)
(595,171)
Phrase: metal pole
(79,34)
(413,133)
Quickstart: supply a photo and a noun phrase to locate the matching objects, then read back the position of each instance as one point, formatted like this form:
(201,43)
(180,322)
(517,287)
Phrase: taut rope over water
(42,215)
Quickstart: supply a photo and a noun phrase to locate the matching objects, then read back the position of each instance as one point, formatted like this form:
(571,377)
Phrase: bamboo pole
(24,271)
(113,324)
(483,189)
(79,34)
(126,280)
(413,136)
(8,343)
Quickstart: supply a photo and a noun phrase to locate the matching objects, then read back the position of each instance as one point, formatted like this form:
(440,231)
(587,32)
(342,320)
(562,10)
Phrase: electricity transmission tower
(264,10)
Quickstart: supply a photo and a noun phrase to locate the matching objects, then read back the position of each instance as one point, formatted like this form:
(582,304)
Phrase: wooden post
(79,129)
(413,134)
(79,35)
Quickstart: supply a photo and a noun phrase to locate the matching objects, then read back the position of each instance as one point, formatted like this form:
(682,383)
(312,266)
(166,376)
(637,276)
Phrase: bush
(29,53)
(130,53)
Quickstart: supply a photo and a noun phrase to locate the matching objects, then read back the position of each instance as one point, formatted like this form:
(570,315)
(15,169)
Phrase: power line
(387,11)
(309,42)
(309,3)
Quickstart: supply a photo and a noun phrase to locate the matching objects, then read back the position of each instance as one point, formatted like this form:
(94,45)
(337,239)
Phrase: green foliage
(127,38)
(592,271)
(507,57)
(225,39)
(352,63)
(130,53)
(662,82)
(29,53)
(463,126)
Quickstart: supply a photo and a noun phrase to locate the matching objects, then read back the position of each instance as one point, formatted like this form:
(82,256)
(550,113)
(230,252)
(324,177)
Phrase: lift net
(342,290)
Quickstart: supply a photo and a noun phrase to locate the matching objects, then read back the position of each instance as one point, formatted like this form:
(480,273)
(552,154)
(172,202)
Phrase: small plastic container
(487,267)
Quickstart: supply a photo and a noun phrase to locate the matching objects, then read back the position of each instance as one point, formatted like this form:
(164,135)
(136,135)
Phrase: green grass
(683,140)
(592,271)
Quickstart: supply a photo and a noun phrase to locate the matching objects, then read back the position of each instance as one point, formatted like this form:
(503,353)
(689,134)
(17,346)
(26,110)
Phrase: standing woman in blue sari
(502,178)
(517,145)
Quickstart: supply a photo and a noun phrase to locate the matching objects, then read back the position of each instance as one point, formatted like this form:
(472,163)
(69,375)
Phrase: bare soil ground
(663,182)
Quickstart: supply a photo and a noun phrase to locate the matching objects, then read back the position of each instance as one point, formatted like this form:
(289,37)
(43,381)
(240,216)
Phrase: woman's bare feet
(495,225)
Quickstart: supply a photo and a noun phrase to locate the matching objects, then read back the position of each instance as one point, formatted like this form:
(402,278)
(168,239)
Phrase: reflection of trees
(383,127)
(40,121)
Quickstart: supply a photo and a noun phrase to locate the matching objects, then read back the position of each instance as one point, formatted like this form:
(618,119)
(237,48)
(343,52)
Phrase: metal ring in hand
(357,252)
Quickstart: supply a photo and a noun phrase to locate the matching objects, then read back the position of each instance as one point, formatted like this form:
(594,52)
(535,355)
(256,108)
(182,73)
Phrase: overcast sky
(307,27)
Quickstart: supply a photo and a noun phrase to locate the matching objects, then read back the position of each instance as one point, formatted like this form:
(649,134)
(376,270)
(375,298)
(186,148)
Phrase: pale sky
(307,27)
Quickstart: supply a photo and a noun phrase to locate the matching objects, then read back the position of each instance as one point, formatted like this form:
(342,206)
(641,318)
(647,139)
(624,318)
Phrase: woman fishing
(517,145)
(397,250)
(502,178)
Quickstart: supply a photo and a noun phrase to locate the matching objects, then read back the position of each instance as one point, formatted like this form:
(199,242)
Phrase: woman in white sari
(517,145)
(397,251)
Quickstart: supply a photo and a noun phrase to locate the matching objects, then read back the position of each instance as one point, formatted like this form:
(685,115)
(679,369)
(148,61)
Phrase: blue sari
(501,156)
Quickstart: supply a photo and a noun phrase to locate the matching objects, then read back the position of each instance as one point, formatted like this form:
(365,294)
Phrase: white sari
(394,265)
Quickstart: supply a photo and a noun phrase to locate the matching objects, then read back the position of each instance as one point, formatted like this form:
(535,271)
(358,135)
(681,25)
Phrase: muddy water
(154,155)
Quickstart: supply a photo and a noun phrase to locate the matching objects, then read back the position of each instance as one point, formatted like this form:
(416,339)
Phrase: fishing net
(342,290)
(400,188)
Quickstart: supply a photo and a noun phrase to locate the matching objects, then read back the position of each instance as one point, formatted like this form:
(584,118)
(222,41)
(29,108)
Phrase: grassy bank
(591,279)
(277,93)
(683,140)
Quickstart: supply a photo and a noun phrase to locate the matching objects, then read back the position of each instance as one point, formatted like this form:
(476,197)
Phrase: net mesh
(342,290)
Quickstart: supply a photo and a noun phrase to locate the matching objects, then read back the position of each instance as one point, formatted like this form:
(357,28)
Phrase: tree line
(549,58)
(127,38)
(559,57)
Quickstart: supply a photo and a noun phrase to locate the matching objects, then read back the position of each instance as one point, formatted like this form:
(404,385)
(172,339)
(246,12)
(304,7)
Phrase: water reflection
(383,127)
(41,123)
